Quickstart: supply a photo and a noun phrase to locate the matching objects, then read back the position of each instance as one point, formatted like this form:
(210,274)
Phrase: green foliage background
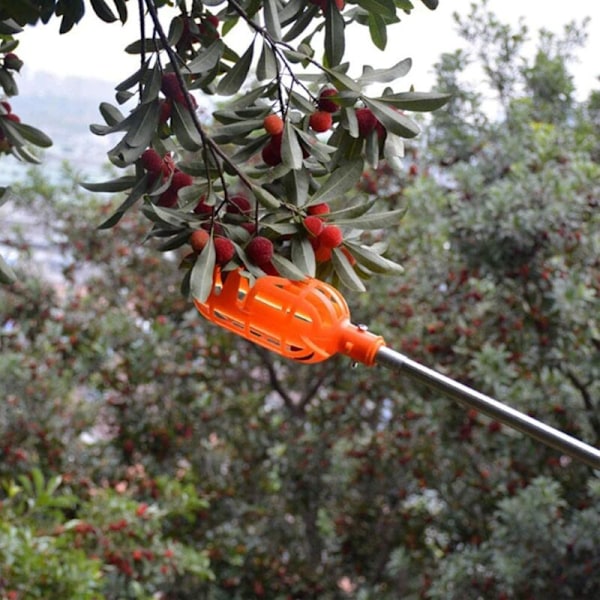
(147,454)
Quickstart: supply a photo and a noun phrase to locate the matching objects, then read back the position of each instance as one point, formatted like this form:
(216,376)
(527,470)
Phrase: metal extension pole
(492,408)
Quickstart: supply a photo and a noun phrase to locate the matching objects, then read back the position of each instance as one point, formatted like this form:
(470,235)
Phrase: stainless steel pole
(492,408)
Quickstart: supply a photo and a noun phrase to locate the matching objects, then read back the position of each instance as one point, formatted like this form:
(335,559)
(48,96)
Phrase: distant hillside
(63,108)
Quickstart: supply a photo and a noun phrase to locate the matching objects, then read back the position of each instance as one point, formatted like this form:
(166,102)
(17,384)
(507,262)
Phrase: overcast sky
(94,48)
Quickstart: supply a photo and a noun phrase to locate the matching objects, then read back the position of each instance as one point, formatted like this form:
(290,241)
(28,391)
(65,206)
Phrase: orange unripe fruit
(199,239)
(331,236)
(320,121)
(273,124)
(224,251)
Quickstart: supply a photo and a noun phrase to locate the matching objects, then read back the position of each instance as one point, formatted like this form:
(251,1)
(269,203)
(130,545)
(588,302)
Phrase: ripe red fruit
(322,254)
(6,105)
(171,89)
(239,205)
(152,161)
(260,250)
(331,236)
(202,208)
(168,198)
(273,124)
(181,180)
(224,250)
(320,121)
(271,153)
(199,239)
(12,62)
(165,110)
(367,121)
(325,103)
(314,225)
(318,209)
(13,117)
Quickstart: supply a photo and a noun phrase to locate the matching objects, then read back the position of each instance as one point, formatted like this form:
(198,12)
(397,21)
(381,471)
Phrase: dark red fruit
(239,205)
(367,121)
(171,89)
(168,198)
(152,161)
(260,250)
(325,103)
(271,153)
(224,251)
(181,180)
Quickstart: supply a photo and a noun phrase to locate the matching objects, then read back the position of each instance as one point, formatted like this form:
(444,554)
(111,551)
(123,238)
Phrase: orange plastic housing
(307,321)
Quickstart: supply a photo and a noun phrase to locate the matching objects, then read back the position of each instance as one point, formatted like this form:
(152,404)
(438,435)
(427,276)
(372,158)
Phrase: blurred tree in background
(147,454)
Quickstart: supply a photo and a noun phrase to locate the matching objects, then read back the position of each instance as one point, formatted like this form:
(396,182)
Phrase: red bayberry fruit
(271,153)
(13,117)
(171,89)
(168,198)
(273,124)
(349,256)
(367,121)
(6,105)
(260,250)
(322,254)
(165,110)
(224,250)
(199,239)
(152,161)
(12,62)
(181,180)
(320,121)
(318,209)
(239,204)
(331,236)
(213,20)
(314,225)
(325,103)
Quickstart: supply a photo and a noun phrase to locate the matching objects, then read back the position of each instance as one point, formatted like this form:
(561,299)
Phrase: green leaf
(136,193)
(184,128)
(334,36)
(392,119)
(341,81)
(296,184)
(143,128)
(351,212)
(300,22)
(371,75)
(8,83)
(291,151)
(111,114)
(375,220)
(207,59)
(7,275)
(235,132)
(202,276)
(303,256)
(384,8)
(272,19)
(267,66)
(232,81)
(122,10)
(339,182)
(114,185)
(103,11)
(378,30)
(370,259)
(287,268)
(345,272)
(33,135)
(418,101)
(265,198)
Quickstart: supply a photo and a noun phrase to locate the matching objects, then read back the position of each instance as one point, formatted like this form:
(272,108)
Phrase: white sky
(94,48)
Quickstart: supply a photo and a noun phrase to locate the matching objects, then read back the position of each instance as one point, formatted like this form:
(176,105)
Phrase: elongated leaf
(296,184)
(351,212)
(121,9)
(392,119)
(202,276)
(144,127)
(345,272)
(114,185)
(272,19)
(33,135)
(152,83)
(291,151)
(340,181)
(207,59)
(303,256)
(232,81)
(287,268)
(133,79)
(300,22)
(8,83)
(374,220)
(136,193)
(184,128)
(334,36)
(385,8)
(265,198)
(267,66)
(235,132)
(371,75)
(103,11)
(417,101)
(366,257)
(341,81)
(378,30)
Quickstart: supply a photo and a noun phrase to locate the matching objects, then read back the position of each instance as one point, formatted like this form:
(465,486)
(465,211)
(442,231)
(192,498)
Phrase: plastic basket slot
(228,319)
